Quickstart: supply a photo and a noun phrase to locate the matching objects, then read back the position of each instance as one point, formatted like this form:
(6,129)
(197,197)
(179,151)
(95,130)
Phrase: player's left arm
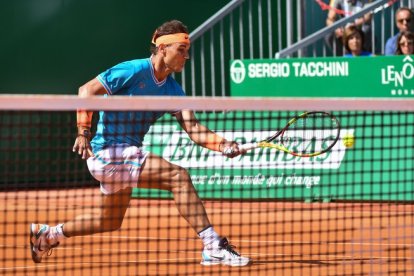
(203,136)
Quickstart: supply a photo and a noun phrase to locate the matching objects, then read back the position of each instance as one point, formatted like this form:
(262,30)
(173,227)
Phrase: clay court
(283,238)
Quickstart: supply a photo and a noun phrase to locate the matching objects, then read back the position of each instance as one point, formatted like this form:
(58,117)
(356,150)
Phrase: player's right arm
(203,136)
(84,119)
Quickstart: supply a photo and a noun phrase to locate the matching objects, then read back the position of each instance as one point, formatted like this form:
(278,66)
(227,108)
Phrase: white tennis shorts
(117,167)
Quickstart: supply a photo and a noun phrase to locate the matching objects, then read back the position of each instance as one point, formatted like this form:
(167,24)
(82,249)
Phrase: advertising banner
(376,167)
(382,76)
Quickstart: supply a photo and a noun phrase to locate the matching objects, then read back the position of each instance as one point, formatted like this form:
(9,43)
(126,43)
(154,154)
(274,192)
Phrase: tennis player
(115,156)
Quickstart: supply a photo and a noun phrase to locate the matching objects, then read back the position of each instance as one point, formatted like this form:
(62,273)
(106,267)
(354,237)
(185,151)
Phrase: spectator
(353,40)
(405,43)
(404,22)
(344,8)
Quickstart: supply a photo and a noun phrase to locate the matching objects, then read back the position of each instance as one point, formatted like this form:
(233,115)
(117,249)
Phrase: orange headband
(171,38)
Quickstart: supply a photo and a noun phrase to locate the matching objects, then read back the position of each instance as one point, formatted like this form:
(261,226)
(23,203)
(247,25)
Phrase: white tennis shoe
(223,254)
(39,244)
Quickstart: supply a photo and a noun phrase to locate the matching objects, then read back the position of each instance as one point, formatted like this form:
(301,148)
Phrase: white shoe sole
(227,263)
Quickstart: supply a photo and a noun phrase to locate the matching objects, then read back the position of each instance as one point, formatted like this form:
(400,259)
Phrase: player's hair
(408,35)
(169,27)
(349,32)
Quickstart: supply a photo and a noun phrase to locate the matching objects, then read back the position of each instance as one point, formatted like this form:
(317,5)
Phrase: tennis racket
(308,134)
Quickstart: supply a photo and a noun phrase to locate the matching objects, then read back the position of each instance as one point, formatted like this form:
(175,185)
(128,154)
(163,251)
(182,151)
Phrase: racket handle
(248,146)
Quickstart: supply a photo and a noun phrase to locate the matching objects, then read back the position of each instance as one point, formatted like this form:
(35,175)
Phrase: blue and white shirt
(130,78)
(391,45)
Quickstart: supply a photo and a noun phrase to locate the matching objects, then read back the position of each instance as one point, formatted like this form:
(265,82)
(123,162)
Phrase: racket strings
(310,134)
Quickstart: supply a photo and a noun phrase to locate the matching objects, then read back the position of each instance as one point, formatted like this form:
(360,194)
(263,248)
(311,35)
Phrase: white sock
(56,234)
(209,236)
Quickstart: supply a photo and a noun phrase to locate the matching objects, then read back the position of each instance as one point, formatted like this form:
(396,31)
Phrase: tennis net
(346,212)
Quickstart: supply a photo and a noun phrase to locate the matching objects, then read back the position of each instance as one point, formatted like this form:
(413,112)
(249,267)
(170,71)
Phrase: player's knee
(181,178)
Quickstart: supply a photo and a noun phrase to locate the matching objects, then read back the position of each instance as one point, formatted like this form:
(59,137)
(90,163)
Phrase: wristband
(85,133)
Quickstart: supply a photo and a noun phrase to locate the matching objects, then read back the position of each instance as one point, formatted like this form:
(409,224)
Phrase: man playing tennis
(115,156)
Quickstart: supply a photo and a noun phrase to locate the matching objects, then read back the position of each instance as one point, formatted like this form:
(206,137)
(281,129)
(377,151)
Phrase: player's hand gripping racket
(307,135)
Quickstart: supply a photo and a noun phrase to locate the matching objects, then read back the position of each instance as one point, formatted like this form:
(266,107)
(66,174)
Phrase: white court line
(27,267)
(100,264)
(258,254)
(235,240)
(332,257)
(77,264)
(257,241)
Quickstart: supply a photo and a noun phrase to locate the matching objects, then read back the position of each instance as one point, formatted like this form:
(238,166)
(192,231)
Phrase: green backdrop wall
(54,46)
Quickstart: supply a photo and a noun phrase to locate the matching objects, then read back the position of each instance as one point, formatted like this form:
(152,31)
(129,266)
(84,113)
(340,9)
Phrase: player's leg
(117,179)
(158,173)
(107,216)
